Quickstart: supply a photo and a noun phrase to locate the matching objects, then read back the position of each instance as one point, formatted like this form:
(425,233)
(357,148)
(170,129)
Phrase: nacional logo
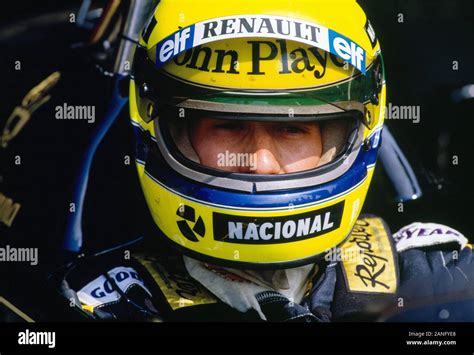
(258,26)
(274,230)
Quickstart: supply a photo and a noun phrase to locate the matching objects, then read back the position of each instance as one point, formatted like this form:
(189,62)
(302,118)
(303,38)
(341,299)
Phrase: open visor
(339,141)
(337,110)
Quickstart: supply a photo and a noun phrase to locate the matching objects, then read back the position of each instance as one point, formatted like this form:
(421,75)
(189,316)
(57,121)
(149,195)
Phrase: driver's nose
(264,152)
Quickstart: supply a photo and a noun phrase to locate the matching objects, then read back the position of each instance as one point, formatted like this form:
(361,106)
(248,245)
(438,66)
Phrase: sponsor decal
(345,49)
(258,26)
(419,235)
(101,291)
(298,60)
(370,33)
(374,270)
(274,230)
(189,216)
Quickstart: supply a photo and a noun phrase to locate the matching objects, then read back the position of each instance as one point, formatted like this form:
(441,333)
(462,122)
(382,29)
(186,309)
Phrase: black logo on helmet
(275,230)
(189,215)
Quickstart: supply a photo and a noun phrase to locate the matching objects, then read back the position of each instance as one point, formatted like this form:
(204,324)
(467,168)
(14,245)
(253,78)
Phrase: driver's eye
(291,128)
(229,125)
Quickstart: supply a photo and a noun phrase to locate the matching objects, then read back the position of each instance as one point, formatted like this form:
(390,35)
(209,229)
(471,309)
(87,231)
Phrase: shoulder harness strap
(177,287)
(369,258)
(368,271)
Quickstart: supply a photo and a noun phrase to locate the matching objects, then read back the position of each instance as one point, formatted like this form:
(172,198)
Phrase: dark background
(418,54)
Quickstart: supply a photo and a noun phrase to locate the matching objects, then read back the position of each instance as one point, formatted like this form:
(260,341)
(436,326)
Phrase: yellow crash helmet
(266,60)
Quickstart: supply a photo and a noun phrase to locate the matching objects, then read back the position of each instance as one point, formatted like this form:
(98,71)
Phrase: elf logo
(189,215)
(274,230)
(175,44)
(348,50)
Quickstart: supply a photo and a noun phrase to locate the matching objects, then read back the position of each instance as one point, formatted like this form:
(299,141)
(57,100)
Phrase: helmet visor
(156,89)
(257,144)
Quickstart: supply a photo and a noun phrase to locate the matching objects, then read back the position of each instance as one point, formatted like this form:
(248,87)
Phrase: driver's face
(274,148)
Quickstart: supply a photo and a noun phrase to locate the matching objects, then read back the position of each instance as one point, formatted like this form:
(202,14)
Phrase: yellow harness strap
(369,258)
(177,286)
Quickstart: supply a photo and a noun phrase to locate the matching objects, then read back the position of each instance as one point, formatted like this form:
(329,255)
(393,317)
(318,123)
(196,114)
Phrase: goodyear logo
(273,230)
(260,26)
